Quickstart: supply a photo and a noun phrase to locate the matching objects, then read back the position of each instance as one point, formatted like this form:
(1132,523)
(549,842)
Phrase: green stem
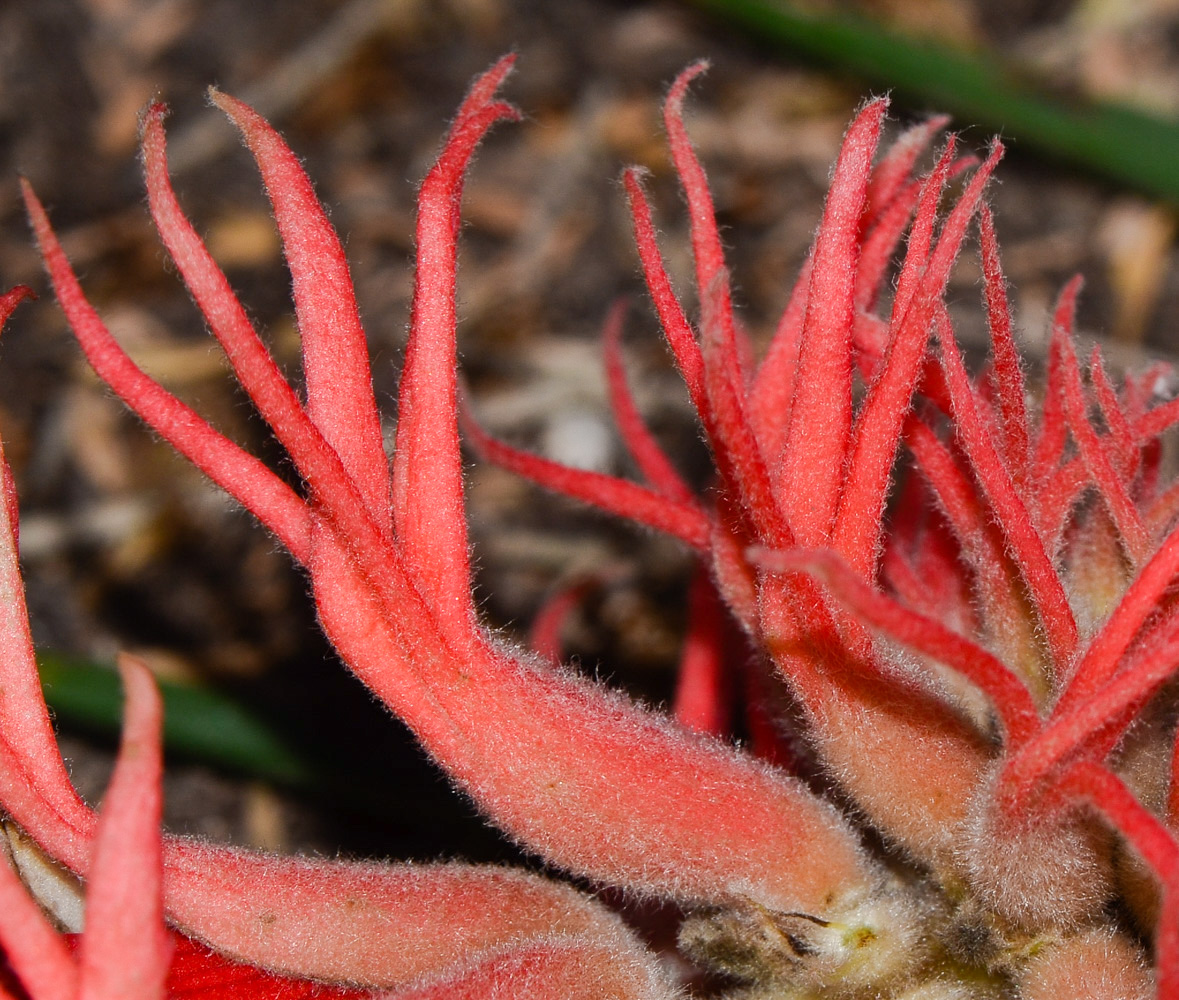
(212,728)
(1129,147)
(199,723)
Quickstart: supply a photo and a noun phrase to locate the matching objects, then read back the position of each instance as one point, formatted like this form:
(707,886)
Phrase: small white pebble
(579,438)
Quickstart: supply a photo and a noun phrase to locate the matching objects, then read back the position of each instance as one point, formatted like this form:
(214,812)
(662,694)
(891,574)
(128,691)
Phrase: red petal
(199,973)
(1009,508)
(1094,453)
(234,470)
(428,505)
(1008,374)
(880,420)
(125,952)
(812,469)
(335,353)
(1157,846)
(703,691)
(686,522)
(652,461)
(926,635)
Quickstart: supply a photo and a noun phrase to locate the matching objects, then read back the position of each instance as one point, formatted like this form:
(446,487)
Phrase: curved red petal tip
(1066,304)
(125,950)
(896,166)
(872,107)
(485,86)
(14,296)
(500,69)
(154,113)
(811,470)
(635,175)
(679,87)
(234,106)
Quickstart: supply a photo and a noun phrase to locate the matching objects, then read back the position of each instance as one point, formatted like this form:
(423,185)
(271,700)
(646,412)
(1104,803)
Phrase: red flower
(967,661)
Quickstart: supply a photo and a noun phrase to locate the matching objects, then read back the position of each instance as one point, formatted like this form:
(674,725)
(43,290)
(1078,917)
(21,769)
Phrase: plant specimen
(982,791)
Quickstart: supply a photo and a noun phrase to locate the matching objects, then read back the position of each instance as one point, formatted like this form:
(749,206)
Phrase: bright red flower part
(980,665)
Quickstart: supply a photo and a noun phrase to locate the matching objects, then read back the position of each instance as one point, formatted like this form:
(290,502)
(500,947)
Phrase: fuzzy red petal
(1104,715)
(34,783)
(239,473)
(1138,604)
(428,506)
(926,635)
(772,391)
(335,352)
(982,545)
(652,461)
(880,421)
(1005,357)
(1117,420)
(703,692)
(125,950)
(255,369)
(1027,546)
(735,442)
(687,522)
(32,948)
(880,245)
(1158,848)
(587,779)
(821,412)
(556,969)
(706,245)
(1051,435)
(894,168)
(1094,453)
(674,321)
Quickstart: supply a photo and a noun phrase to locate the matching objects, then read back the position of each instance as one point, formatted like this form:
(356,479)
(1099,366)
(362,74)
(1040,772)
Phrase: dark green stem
(1129,147)
(199,723)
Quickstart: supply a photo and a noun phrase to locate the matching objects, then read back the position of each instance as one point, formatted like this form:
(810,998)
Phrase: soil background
(126,547)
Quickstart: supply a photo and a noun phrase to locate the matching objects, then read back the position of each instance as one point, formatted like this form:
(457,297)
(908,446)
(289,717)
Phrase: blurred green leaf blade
(1124,145)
